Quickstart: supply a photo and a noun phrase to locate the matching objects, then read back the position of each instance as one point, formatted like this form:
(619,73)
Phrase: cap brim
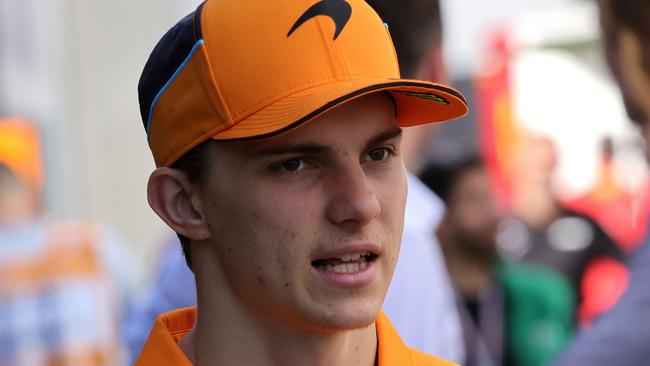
(417,102)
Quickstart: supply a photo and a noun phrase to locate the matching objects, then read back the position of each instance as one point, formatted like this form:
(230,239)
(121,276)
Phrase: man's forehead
(313,144)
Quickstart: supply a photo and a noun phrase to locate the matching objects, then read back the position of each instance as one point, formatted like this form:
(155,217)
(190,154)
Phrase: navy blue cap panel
(166,58)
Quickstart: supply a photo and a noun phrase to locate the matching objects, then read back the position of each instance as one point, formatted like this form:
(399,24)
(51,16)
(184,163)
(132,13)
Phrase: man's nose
(352,200)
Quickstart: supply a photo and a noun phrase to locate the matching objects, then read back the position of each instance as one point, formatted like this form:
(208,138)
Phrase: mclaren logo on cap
(339,10)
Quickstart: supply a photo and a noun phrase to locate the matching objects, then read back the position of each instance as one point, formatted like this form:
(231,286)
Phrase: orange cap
(236,69)
(20,151)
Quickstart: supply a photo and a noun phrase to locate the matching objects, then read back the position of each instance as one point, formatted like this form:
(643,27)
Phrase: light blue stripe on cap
(170,81)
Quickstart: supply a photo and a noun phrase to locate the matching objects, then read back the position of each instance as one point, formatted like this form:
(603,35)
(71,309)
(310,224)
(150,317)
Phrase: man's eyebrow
(316,148)
(384,136)
(306,148)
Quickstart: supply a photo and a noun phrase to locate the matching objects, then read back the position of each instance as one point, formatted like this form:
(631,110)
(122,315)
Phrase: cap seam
(169,82)
(323,37)
(336,49)
(344,62)
(394,51)
(215,91)
(216,75)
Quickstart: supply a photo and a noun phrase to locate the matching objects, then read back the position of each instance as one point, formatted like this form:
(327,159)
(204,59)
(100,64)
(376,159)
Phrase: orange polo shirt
(161,348)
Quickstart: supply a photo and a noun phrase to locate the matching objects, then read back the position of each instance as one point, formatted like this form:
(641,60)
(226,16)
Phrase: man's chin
(345,326)
(343,321)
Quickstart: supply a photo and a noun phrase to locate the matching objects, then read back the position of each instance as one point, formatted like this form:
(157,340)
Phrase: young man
(430,322)
(621,337)
(276,130)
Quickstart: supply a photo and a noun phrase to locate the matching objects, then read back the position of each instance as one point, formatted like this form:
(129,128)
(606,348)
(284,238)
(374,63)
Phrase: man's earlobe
(171,196)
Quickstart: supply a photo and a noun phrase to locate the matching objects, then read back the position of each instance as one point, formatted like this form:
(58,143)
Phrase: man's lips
(370,248)
(348,259)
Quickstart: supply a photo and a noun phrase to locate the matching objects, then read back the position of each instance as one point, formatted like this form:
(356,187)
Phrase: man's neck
(226,337)
(215,343)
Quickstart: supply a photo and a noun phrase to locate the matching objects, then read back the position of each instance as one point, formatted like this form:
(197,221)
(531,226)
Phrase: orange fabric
(393,352)
(20,151)
(161,348)
(193,89)
(250,78)
(81,358)
(69,266)
(70,252)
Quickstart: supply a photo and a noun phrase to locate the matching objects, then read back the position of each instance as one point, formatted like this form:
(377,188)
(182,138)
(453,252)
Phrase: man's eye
(378,154)
(293,165)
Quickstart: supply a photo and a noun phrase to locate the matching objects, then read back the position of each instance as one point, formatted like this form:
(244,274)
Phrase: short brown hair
(415,26)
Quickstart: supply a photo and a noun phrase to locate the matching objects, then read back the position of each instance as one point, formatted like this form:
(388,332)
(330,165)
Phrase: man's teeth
(346,263)
(347,267)
(352,257)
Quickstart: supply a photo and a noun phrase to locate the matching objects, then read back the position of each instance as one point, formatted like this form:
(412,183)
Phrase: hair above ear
(173,198)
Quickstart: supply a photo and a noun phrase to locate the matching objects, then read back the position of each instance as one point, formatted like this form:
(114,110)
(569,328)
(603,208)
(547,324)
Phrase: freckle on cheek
(261,281)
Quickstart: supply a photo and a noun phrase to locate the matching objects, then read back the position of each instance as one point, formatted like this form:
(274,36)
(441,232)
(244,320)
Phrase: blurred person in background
(543,232)
(420,300)
(467,234)
(513,315)
(621,336)
(621,211)
(62,284)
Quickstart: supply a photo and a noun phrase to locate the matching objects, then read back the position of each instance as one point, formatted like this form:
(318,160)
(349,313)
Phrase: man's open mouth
(347,263)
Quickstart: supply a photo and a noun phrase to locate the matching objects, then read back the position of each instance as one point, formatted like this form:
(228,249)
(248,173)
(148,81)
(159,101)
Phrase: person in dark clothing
(467,235)
(542,232)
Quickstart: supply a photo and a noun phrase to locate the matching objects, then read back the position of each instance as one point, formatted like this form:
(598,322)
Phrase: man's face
(306,227)
(472,213)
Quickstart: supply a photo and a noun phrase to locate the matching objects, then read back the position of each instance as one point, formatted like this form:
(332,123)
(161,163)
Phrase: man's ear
(176,201)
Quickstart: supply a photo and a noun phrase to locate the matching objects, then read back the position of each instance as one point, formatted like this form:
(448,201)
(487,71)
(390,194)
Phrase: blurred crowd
(502,262)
